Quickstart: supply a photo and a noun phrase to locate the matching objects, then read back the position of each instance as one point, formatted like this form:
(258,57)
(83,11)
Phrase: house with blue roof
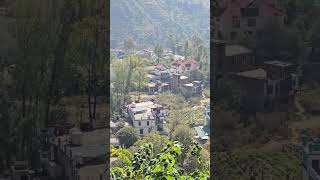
(311,156)
(203,132)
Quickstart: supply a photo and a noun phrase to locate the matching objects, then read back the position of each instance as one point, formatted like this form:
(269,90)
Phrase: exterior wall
(182,69)
(219,55)
(175,82)
(308,172)
(224,26)
(276,72)
(238,63)
(144,126)
(311,72)
(252,93)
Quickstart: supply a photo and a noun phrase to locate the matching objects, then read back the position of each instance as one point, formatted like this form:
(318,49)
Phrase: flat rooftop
(233,50)
(88,151)
(143,110)
(278,63)
(256,74)
(183,77)
(151,85)
(188,85)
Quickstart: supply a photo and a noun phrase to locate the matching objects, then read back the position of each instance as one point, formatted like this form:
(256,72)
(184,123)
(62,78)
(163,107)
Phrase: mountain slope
(148,21)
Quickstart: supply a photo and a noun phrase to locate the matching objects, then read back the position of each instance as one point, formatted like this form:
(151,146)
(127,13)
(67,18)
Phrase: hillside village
(60,121)
(262,82)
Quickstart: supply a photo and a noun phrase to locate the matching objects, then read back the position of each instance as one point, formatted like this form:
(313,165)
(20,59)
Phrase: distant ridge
(148,21)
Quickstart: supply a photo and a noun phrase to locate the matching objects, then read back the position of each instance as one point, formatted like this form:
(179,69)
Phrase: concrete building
(185,66)
(268,88)
(238,18)
(146,117)
(182,83)
(21,171)
(72,154)
(231,58)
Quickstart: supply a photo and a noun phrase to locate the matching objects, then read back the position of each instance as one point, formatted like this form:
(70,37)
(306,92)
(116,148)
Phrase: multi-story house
(268,88)
(185,66)
(236,18)
(145,116)
(231,58)
(73,154)
(162,71)
(182,83)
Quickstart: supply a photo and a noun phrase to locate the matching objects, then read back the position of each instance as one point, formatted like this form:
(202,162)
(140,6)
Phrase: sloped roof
(202,132)
(256,74)
(233,50)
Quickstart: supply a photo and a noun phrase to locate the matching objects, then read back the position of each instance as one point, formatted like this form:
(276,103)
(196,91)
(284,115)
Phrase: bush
(145,164)
(127,136)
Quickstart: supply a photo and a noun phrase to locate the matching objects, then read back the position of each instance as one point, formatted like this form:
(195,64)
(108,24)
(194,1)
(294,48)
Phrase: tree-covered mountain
(167,21)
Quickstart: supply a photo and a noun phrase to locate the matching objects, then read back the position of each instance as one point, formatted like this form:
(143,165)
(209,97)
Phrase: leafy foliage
(145,164)
(245,166)
(127,136)
(154,138)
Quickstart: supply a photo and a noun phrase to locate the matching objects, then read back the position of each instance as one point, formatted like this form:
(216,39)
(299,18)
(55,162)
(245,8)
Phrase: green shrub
(146,165)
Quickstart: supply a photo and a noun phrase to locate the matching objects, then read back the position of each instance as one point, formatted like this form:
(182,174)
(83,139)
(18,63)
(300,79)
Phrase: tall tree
(127,136)
(187,49)
(128,45)
(86,52)
(158,50)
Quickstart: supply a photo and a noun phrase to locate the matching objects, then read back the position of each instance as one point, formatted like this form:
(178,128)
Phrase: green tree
(188,49)
(158,50)
(84,52)
(158,141)
(172,42)
(127,136)
(145,164)
(140,77)
(183,134)
(128,45)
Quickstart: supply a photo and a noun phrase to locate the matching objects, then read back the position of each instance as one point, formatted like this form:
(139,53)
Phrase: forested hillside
(167,21)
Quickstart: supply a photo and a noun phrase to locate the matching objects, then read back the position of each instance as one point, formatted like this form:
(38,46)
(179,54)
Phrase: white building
(145,116)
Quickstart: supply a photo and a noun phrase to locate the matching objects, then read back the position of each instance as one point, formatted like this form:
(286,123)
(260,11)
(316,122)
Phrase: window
(24,177)
(219,34)
(233,61)
(139,123)
(315,164)
(252,22)
(147,123)
(233,35)
(141,131)
(269,90)
(235,22)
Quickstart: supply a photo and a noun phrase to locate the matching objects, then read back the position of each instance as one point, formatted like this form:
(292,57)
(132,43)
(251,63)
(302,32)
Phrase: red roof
(187,62)
(160,67)
(233,7)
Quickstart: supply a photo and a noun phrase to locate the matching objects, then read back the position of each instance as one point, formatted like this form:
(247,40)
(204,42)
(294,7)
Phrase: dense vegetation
(61,53)
(145,164)
(150,21)
(245,166)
